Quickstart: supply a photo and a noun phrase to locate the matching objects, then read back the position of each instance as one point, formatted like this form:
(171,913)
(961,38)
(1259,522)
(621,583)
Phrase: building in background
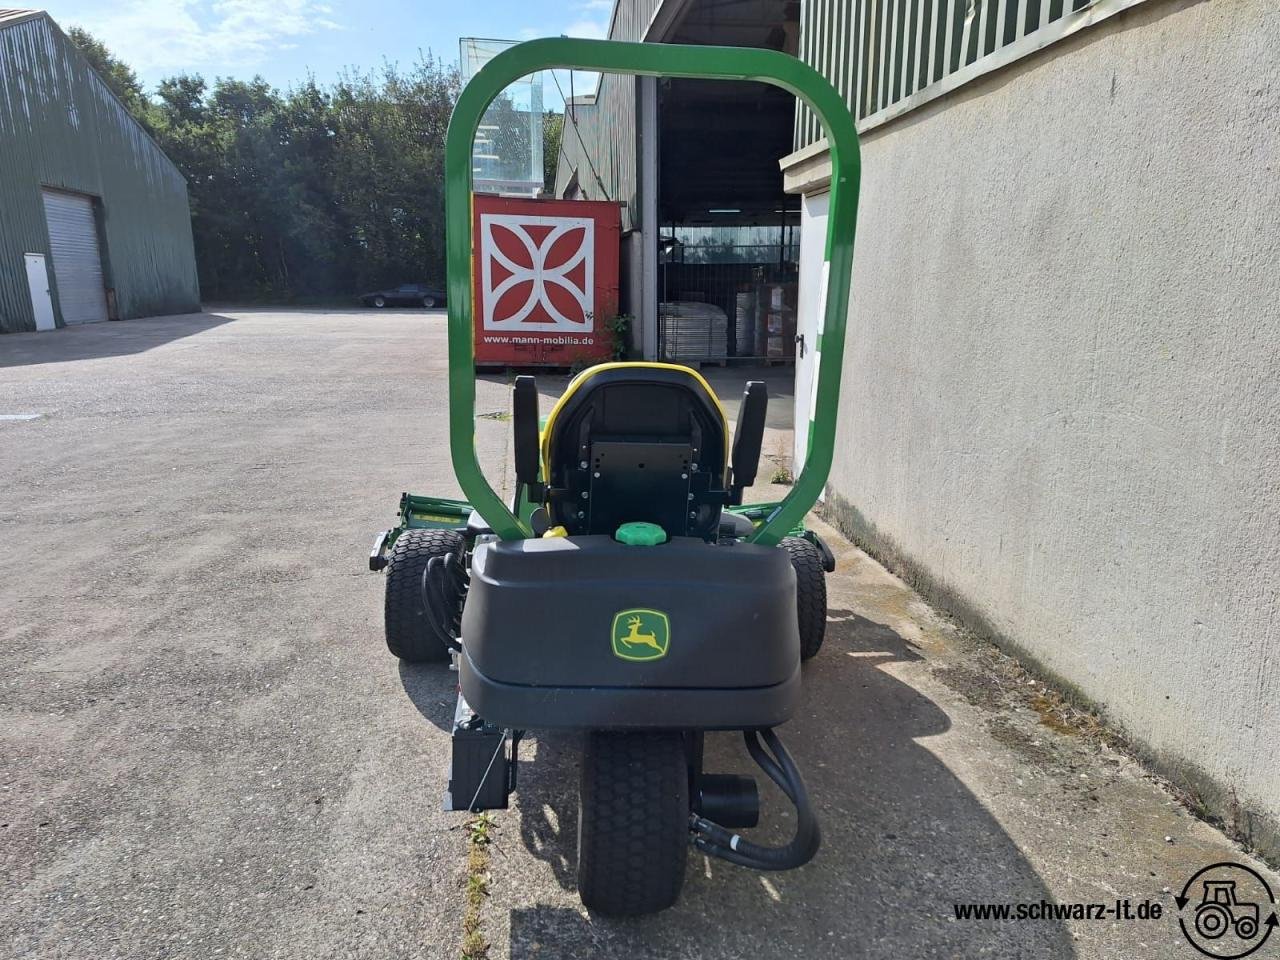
(1059,415)
(507,152)
(94,219)
(710,235)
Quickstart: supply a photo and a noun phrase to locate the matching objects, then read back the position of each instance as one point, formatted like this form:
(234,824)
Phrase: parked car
(405,295)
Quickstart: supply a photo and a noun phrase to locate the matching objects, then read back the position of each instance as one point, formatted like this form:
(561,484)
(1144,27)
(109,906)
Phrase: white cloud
(592,29)
(211,36)
(592,26)
(593,19)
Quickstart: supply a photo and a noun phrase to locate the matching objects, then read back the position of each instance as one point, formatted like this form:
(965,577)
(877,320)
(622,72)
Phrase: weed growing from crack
(480,829)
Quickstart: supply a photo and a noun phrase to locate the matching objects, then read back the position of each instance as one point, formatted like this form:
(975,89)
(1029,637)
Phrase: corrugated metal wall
(606,169)
(889,56)
(61,127)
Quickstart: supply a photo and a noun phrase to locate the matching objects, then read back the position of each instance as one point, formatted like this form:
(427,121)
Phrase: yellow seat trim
(576,384)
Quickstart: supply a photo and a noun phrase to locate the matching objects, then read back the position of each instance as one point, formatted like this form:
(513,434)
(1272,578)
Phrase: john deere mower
(626,591)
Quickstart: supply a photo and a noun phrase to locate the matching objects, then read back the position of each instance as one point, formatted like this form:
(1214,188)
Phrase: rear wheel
(409,634)
(811,594)
(633,822)
(428,302)
(1212,921)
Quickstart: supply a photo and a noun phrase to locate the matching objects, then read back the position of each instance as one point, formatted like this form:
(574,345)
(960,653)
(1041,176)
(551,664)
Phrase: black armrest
(748,438)
(524,423)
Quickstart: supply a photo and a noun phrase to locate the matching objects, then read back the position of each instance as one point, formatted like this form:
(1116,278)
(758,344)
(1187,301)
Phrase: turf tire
(409,635)
(633,822)
(811,594)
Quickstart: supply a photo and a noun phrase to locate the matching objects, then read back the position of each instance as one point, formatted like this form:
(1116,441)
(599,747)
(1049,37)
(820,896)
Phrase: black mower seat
(637,442)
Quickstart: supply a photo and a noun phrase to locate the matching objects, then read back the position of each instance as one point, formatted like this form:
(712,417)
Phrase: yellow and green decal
(641,634)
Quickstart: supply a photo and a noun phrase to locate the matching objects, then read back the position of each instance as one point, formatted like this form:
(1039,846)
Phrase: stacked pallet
(693,331)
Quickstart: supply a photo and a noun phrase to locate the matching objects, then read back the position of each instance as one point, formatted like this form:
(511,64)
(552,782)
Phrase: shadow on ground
(433,690)
(111,339)
(904,839)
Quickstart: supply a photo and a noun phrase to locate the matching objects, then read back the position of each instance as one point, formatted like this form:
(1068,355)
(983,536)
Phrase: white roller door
(77,262)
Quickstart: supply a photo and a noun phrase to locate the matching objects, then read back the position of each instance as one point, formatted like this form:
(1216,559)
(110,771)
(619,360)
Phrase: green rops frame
(667,60)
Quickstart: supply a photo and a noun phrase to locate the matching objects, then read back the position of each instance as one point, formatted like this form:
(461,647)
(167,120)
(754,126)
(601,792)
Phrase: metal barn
(94,219)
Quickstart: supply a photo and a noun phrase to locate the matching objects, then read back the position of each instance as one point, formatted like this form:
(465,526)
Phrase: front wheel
(428,302)
(409,634)
(633,822)
(811,594)
(379,301)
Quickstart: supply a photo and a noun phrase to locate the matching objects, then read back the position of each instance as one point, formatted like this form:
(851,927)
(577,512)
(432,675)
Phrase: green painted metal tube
(666,60)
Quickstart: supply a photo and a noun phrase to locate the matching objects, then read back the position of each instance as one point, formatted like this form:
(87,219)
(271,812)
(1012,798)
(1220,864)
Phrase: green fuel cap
(641,534)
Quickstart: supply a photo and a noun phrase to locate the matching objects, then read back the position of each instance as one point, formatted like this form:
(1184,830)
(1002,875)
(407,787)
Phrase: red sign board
(546,280)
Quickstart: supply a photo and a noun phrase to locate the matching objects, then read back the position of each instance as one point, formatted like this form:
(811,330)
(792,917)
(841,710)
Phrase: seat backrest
(637,442)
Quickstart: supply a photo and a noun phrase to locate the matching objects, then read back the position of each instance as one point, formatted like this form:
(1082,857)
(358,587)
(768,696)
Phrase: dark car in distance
(405,295)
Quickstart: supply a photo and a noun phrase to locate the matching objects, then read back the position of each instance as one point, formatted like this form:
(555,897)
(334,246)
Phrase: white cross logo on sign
(537,273)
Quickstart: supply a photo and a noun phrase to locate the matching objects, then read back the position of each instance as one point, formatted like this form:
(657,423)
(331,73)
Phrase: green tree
(317,191)
(115,73)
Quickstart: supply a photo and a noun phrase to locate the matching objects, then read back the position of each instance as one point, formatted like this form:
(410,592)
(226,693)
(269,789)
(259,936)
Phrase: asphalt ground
(206,751)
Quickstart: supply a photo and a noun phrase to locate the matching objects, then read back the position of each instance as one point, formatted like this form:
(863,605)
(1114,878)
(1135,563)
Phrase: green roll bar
(665,60)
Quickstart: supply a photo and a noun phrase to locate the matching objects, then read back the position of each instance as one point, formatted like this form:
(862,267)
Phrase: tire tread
(811,594)
(409,636)
(633,826)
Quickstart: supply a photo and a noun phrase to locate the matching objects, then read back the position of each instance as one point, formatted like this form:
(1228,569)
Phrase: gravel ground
(206,750)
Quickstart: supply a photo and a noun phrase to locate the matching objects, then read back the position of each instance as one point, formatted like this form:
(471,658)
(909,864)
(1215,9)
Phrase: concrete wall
(1061,411)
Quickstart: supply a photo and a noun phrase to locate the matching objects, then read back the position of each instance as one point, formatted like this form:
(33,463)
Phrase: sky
(285,40)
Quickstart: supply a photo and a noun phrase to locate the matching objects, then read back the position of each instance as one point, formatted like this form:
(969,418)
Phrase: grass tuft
(480,830)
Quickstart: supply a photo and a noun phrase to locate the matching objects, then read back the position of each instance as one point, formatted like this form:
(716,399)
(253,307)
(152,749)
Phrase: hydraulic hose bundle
(444,588)
(713,839)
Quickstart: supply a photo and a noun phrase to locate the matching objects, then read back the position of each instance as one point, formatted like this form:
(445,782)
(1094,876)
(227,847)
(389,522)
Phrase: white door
(813,288)
(38,281)
(77,262)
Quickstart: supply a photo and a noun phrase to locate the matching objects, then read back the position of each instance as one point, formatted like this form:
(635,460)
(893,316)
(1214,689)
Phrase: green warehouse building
(94,219)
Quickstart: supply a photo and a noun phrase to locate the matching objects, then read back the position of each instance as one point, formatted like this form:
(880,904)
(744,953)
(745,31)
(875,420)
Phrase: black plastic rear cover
(587,613)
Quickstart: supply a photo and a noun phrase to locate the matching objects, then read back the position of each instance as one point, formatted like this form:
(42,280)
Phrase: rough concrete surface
(207,750)
(1060,409)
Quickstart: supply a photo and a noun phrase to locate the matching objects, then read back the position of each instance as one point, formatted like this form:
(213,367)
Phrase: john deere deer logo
(641,634)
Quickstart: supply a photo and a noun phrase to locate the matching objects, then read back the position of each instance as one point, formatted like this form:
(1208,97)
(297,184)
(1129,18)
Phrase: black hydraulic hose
(442,589)
(461,582)
(718,841)
(435,603)
(767,763)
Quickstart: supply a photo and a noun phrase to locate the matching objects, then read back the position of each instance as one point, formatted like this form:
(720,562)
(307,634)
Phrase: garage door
(77,262)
